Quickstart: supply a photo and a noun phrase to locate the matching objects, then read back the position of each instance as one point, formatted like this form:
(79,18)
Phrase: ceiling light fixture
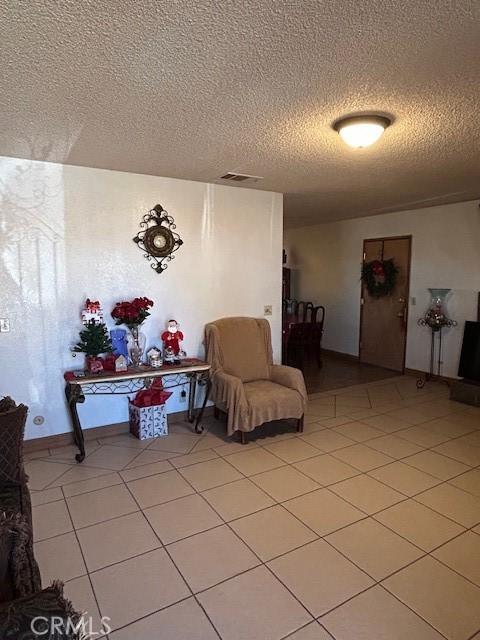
(361,131)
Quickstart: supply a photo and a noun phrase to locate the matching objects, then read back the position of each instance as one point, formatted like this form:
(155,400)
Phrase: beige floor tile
(377,615)
(312,631)
(404,478)
(411,415)
(388,423)
(323,511)
(163,487)
(292,450)
(320,577)
(59,558)
(101,505)
(182,621)
(148,457)
(367,494)
(111,457)
(449,427)
(254,605)
(469,481)
(183,517)
(436,465)
(422,436)
(193,458)
(312,427)
(80,473)
(393,446)
(126,440)
(472,438)
(45,496)
(28,456)
(359,431)
(461,451)
(80,592)
(237,499)
(419,524)
(68,452)
(84,486)
(328,440)
(116,540)
(454,503)
(326,469)
(254,461)
(175,442)
(284,483)
(462,555)
(272,532)
(446,600)
(208,558)
(211,441)
(331,423)
(41,473)
(51,519)
(137,587)
(206,475)
(146,470)
(374,548)
(360,414)
(234,447)
(362,457)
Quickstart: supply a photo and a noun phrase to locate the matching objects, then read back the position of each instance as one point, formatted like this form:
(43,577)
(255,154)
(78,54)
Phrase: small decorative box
(148,422)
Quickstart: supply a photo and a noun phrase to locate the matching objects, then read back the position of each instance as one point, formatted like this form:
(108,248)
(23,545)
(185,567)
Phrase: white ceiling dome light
(361,131)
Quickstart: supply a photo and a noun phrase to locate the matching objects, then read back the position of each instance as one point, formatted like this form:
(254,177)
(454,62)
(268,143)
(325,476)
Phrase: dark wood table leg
(75,395)
(191,397)
(198,426)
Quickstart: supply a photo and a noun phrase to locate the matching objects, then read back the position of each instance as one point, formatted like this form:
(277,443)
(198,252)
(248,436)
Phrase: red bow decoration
(152,397)
(378,268)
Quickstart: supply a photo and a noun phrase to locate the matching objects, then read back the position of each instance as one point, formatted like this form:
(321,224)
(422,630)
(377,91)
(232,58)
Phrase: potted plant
(94,340)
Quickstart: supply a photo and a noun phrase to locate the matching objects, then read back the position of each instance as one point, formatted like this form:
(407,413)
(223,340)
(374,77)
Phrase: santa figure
(172,338)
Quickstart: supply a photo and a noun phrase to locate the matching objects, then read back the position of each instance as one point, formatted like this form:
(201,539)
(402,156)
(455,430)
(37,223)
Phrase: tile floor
(364,527)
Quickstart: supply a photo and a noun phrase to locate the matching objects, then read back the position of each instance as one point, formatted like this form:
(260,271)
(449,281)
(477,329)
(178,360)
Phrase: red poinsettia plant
(132,313)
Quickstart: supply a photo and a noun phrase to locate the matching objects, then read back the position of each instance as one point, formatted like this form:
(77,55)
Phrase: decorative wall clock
(157,238)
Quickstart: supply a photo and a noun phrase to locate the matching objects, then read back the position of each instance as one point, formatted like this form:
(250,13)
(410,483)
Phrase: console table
(83,383)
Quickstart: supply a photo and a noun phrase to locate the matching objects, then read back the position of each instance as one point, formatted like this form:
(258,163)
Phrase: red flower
(132,313)
(378,268)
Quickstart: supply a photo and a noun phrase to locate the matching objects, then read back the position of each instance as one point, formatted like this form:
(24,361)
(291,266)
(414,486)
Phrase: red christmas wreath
(380,277)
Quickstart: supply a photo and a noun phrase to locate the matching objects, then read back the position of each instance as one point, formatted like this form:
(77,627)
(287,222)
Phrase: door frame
(408,237)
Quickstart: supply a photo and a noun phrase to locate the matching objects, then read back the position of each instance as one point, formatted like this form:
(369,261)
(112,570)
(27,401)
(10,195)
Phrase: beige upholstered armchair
(246,384)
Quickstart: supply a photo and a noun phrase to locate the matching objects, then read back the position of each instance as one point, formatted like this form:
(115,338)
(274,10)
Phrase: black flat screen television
(469,367)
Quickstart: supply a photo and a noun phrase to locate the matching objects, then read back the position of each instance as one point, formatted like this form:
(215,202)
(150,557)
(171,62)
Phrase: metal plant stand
(431,375)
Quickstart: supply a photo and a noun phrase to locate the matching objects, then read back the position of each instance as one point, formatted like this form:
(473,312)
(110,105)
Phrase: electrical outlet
(183,396)
(267,310)
(38,420)
(4,325)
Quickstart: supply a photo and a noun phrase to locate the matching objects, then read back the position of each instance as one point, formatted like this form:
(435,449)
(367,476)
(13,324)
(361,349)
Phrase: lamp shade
(361,131)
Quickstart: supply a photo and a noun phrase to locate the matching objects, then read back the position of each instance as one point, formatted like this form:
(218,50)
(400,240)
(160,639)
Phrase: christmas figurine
(92,312)
(172,339)
(94,340)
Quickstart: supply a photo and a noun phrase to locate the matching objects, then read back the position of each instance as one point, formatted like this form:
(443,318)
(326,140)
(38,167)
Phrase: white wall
(66,234)
(327,258)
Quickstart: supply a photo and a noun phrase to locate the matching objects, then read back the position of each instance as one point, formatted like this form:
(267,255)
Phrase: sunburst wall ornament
(157,238)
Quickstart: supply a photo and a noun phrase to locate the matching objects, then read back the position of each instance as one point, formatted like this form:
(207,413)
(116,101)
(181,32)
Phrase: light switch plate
(4,325)
(267,310)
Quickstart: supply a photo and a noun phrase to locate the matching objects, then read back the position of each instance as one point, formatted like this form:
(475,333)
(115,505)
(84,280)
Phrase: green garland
(379,277)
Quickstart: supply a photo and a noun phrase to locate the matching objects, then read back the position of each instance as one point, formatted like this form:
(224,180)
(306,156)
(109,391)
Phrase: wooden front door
(383,321)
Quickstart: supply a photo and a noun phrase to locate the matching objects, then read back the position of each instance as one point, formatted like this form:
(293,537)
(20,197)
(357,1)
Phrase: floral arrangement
(380,277)
(132,313)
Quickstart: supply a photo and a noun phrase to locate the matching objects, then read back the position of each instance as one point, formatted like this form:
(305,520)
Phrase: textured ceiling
(193,89)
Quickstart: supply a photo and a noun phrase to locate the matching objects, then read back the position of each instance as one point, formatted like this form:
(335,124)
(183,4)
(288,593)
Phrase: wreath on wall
(380,277)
